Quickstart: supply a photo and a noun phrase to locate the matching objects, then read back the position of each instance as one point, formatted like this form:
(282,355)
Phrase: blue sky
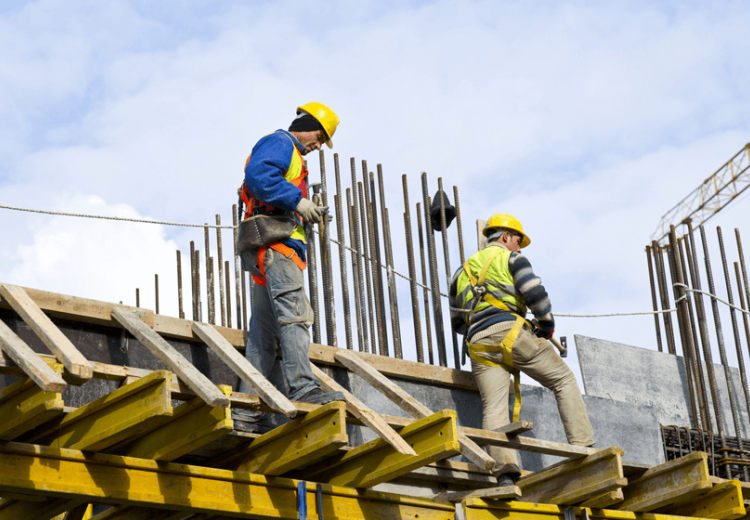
(587,120)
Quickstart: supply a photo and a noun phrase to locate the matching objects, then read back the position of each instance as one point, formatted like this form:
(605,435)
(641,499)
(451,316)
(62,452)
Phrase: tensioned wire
(180,224)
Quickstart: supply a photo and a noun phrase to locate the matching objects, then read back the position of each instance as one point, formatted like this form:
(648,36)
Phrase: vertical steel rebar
(746,322)
(245,313)
(741,253)
(359,256)
(137,297)
(237,266)
(193,291)
(366,260)
(696,359)
(720,341)
(326,262)
(733,401)
(392,294)
(653,298)
(425,292)
(179,286)
(198,302)
(356,276)
(312,281)
(156,293)
(661,278)
(417,320)
(222,303)
(447,265)
(459,226)
(434,278)
(341,234)
(372,224)
(682,322)
(229,294)
(210,295)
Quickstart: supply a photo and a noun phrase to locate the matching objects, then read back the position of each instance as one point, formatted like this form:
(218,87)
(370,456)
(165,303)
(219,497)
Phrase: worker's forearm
(529,285)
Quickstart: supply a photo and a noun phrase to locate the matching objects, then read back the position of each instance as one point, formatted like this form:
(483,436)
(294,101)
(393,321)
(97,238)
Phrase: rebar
(447,264)
(735,328)
(746,322)
(425,292)
(368,276)
(193,291)
(701,319)
(210,295)
(326,266)
(179,286)
(682,322)
(458,225)
(229,294)
(437,305)
(662,281)
(340,233)
(392,294)
(653,298)
(312,281)
(156,293)
(360,281)
(199,306)
(137,297)
(741,253)
(356,276)
(377,275)
(244,300)
(222,303)
(237,266)
(417,320)
(696,359)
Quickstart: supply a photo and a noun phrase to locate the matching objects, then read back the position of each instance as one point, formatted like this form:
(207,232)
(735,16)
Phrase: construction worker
(489,297)
(276,185)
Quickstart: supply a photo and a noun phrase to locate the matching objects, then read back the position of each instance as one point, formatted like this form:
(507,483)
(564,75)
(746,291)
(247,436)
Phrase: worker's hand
(544,333)
(309,211)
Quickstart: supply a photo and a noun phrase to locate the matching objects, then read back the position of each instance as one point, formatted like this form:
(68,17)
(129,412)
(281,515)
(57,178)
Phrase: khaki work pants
(539,359)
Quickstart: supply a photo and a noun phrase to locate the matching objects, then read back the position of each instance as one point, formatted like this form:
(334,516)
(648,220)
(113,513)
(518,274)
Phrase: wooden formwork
(146,454)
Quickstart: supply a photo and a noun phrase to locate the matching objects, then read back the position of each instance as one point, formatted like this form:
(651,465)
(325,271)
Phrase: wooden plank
(127,411)
(723,502)
(242,367)
(24,406)
(168,355)
(111,479)
(496,493)
(294,445)
(362,412)
(606,500)
(516,427)
(29,361)
(572,482)
(433,438)
(50,335)
(666,483)
(434,473)
(409,404)
(192,425)
(559,449)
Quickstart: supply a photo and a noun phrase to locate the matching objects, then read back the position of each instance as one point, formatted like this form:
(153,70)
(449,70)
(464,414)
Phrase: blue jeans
(281,314)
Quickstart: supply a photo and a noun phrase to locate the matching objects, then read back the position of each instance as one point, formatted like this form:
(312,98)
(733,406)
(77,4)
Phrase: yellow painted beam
(127,411)
(665,484)
(112,479)
(572,482)
(192,425)
(24,406)
(433,438)
(294,445)
(723,502)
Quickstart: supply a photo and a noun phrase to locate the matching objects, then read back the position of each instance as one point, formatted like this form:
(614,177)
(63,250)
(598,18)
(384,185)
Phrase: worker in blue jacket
(276,185)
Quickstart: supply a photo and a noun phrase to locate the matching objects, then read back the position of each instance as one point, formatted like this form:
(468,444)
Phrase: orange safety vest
(296,173)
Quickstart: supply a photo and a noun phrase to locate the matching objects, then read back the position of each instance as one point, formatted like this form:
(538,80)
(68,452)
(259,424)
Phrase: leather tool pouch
(262,230)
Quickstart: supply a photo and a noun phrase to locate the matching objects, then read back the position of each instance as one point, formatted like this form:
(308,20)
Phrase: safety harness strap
(285,250)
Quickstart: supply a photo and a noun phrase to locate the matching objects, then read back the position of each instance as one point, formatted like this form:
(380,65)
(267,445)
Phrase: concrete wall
(655,379)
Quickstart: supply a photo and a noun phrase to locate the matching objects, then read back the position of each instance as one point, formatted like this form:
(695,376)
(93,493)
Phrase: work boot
(318,396)
(247,422)
(507,479)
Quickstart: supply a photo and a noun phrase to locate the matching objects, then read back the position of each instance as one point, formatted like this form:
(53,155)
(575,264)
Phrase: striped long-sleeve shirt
(527,285)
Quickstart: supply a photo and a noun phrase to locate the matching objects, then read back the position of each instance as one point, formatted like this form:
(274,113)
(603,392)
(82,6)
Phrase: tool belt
(506,346)
(264,229)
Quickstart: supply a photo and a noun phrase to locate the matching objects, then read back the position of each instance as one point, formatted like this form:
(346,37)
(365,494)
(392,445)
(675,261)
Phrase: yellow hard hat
(502,220)
(325,117)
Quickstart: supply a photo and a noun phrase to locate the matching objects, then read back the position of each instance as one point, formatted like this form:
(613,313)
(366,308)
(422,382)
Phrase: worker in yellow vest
(275,189)
(489,298)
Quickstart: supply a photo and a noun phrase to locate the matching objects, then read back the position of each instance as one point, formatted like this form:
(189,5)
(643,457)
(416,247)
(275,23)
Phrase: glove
(309,211)
(544,334)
